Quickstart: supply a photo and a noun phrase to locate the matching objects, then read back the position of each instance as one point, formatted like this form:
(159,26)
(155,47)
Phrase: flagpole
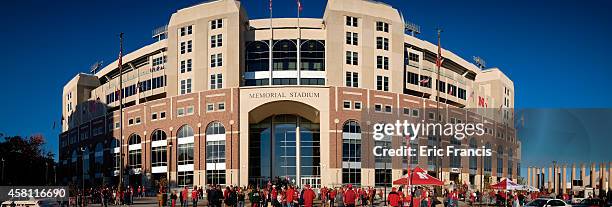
(299,42)
(121,109)
(438,64)
(270,45)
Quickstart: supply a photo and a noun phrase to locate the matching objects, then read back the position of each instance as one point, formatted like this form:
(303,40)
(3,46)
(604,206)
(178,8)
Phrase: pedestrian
(350,196)
(194,196)
(173,198)
(290,196)
(241,197)
(308,196)
(339,198)
(393,199)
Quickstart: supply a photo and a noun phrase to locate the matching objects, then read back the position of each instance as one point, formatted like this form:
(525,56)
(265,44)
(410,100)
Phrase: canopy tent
(529,188)
(507,184)
(419,177)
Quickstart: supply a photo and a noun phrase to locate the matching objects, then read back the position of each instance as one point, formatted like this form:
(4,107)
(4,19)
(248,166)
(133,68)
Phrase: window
(210,107)
(382,177)
(216,81)
(357,105)
(413,57)
(137,120)
(158,153)
(382,62)
(216,40)
(216,60)
(382,26)
(190,110)
(134,155)
(130,122)
(352,79)
(412,78)
(351,152)
(441,86)
(257,56)
(378,107)
(185,155)
(352,38)
(186,47)
(185,178)
(406,111)
(382,43)
(180,112)
(425,81)
(186,30)
(312,81)
(215,152)
(186,86)
(185,65)
(162,115)
(347,104)
(221,106)
(388,109)
(352,58)
(382,83)
(461,93)
(415,112)
(351,21)
(216,24)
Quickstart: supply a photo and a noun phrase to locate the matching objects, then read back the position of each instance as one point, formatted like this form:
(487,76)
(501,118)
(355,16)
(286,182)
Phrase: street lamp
(169,164)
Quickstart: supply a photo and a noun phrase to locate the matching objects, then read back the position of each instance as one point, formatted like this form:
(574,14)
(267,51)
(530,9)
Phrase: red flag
(299,4)
(439,58)
(450,90)
(270,6)
(120,57)
(424,81)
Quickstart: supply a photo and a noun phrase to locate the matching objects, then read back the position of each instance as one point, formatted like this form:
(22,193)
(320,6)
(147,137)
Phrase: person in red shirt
(393,198)
(290,196)
(194,196)
(349,196)
(184,195)
(324,196)
(309,196)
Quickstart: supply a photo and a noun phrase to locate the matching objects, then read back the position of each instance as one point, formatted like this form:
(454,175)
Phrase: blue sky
(554,51)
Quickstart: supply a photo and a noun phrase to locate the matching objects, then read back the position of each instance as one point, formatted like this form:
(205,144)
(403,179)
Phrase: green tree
(25,162)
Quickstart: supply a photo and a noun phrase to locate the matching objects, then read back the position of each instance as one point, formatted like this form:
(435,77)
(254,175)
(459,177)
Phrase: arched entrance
(284,144)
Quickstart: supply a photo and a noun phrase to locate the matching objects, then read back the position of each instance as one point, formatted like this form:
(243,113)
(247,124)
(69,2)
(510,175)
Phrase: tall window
(473,159)
(382,83)
(215,153)
(500,160)
(185,141)
(85,163)
(432,141)
(352,38)
(135,152)
(216,81)
(382,43)
(216,40)
(382,26)
(284,55)
(116,156)
(99,159)
(352,58)
(352,21)
(352,79)
(383,164)
(186,66)
(257,56)
(382,62)
(312,55)
(216,60)
(455,160)
(186,86)
(216,24)
(351,153)
(158,149)
(488,164)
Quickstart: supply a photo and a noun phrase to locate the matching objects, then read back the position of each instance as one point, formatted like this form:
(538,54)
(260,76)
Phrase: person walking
(194,196)
(350,196)
(173,198)
(309,196)
(184,196)
(393,199)
(339,198)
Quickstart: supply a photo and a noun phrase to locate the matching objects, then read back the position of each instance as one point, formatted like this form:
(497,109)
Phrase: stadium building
(218,98)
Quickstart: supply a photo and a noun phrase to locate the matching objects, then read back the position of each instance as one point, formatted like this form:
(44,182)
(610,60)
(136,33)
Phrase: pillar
(583,174)
(556,179)
(564,179)
(592,176)
(537,178)
(573,173)
(610,176)
(550,179)
(528,175)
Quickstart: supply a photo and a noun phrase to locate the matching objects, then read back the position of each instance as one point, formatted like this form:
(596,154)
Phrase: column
(528,175)
(573,174)
(610,176)
(550,179)
(556,179)
(583,174)
(537,178)
(564,179)
(592,176)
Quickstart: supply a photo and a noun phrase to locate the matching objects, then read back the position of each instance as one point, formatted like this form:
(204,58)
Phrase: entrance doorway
(284,148)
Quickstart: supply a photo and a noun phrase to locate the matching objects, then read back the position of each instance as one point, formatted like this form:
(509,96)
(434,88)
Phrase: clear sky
(554,51)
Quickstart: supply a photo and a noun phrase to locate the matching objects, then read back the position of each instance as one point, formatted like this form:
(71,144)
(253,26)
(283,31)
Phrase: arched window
(99,158)
(135,151)
(85,162)
(257,56)
(312,54)
(284,55)
(488,163)
(473,159)
(158,135)
(351,153)
(215,153)
(116,156)
(158,151)
(185,156)
(500,160)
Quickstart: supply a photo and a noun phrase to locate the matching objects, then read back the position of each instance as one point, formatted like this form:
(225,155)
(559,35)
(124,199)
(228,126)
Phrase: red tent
(506,184)
(419,177)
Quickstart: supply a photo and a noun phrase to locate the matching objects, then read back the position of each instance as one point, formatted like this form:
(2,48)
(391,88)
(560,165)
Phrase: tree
(25,161)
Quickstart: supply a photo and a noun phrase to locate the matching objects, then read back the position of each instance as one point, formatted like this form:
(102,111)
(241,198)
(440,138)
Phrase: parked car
(590,202)
(547,202)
